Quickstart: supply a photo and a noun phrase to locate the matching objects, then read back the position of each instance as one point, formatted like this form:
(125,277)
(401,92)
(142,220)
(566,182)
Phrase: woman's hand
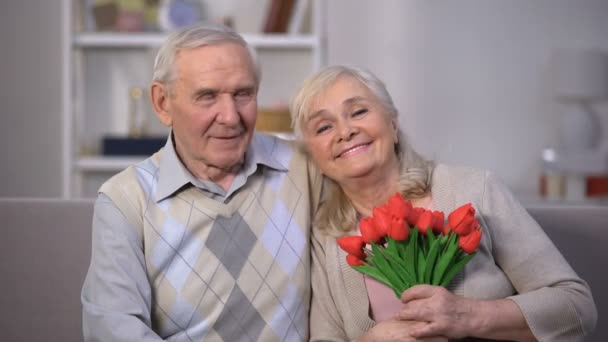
(456,317)
(397,330)
(445,313)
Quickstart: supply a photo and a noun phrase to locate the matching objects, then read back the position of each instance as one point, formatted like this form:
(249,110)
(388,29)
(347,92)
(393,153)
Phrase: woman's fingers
(418,292)
(445,313)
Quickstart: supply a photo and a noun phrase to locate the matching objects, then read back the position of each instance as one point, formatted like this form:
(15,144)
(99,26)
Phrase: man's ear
(159,94)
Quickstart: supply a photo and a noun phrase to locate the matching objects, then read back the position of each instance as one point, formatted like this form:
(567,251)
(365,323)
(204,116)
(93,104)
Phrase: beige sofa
(44,255)
(45,251)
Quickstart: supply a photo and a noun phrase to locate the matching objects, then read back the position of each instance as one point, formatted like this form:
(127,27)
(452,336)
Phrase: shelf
(540,202)
(154,40)
(111,61)
(118,163)
(101,163)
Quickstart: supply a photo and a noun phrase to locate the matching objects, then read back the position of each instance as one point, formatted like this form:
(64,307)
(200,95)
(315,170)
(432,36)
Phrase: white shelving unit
(96,64)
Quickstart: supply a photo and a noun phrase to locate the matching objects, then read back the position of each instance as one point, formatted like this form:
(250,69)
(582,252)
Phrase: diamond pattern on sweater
(231,240)
(238,308)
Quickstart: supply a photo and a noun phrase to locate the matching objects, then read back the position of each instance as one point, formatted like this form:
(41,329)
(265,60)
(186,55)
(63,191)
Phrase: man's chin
(231,163)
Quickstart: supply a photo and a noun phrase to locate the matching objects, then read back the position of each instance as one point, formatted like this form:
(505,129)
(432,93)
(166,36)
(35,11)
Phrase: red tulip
(469,243)
(415,213)
(399,229)
(425,221)
(398,206)
(382,219)
(438,222)
(353,260)
(369,232)
(352,245)
(461,220)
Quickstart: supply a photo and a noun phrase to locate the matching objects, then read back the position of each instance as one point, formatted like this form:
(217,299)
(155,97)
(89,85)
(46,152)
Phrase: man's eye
(243,94)
(206,97)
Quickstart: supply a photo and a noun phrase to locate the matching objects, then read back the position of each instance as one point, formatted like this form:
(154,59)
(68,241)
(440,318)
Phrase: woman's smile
(354,150)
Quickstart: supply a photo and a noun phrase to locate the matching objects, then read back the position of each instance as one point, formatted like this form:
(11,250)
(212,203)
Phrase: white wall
(30,98)
(469,76)
(476,66)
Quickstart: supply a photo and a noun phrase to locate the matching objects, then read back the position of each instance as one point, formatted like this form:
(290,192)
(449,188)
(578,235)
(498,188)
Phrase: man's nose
(227,111)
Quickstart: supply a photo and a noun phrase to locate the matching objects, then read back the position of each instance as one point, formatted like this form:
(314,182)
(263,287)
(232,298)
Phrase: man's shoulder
(282,148)
(134,176)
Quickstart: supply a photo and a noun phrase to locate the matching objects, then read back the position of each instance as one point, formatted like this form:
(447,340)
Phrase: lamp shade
(580,75)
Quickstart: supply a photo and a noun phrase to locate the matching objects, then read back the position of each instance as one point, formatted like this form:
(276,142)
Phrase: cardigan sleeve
(555,302)
(116,296)
(326,323)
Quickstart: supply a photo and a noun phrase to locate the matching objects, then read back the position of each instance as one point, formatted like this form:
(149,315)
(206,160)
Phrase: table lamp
(580,81)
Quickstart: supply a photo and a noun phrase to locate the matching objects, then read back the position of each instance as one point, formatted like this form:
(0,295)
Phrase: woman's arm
(457,317)
(552,302)
(556,304)
(325,321)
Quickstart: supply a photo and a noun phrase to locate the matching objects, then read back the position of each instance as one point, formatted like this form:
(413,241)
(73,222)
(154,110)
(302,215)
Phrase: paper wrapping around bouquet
(271,120)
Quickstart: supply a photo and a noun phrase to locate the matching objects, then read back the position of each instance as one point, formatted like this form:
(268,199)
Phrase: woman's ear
(395,127)
(159,94)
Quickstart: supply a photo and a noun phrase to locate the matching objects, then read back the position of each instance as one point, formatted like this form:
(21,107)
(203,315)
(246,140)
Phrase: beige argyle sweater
(226,271)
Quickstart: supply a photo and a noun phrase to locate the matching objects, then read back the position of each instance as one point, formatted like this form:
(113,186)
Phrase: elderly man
(207,238)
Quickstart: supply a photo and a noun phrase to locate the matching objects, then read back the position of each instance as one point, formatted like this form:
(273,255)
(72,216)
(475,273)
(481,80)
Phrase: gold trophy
(138,123)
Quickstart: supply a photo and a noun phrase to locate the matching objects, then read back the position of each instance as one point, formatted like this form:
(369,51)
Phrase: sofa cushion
(581,234)
(44,257)
(46,252)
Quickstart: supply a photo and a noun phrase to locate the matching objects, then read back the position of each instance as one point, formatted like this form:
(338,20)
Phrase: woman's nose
(346,130)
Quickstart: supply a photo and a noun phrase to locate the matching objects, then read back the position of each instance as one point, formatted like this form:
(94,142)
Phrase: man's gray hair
(193,37)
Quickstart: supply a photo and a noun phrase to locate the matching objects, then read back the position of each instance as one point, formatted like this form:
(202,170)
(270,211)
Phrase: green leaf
(401,270)
(383,266)
(402,246)
(457,267)
(392,247)
(431,261)
(421,265)
(445,259)
(411,254)
(374,273)
(430,238)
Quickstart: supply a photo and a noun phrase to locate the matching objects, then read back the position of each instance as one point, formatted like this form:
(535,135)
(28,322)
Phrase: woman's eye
(360,112)
(322,129)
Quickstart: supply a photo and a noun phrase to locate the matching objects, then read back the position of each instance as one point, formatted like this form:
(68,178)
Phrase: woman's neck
(372,191)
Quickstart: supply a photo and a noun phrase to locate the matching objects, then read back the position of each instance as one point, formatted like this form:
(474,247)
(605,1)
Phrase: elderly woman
(518,286)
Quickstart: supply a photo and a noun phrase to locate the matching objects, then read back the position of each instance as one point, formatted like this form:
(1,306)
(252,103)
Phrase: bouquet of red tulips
(402,246)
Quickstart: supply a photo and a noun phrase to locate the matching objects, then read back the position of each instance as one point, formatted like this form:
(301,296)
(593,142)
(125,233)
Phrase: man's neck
(220,176)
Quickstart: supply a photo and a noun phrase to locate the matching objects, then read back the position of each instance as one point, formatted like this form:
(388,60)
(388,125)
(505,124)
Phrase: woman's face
(348,133)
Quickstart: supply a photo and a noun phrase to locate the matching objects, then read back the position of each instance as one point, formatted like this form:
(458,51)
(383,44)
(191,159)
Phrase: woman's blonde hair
(337,215)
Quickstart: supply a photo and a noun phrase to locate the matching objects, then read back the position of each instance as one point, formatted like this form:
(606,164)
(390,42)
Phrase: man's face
(211,105)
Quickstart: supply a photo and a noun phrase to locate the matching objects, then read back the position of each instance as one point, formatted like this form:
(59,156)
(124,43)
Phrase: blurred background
(518,87)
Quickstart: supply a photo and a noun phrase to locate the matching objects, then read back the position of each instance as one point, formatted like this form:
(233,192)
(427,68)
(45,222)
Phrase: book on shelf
(297,16)
(278,16)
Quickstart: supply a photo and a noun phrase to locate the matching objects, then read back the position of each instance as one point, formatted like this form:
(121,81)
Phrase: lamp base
(593,162)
